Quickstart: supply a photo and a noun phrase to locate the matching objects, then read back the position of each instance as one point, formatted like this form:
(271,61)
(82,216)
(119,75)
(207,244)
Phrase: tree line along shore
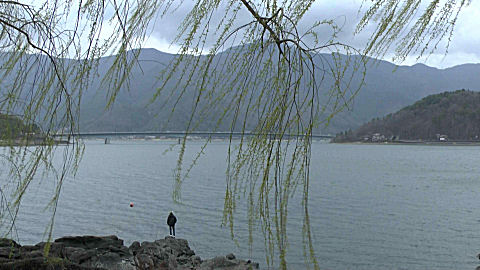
(447,118)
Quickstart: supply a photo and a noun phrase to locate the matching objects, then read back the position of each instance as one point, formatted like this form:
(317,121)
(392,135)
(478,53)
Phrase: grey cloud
(346,14)
(343,15)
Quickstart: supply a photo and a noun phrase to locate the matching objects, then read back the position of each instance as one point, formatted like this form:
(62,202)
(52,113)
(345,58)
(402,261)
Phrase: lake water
(371,206)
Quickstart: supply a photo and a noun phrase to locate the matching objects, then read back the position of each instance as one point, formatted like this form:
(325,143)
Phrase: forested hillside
(12,127)
(449,115)
(387,89)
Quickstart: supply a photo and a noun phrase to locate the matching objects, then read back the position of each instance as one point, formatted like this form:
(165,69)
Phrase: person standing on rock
(171,220)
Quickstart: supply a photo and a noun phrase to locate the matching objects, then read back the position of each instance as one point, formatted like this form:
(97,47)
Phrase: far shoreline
(28,143)
(432,143)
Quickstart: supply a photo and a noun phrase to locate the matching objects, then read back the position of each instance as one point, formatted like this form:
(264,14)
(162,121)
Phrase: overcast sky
(464,48)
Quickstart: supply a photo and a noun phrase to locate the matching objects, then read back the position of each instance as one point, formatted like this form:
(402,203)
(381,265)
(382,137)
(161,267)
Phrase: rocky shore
(108,252)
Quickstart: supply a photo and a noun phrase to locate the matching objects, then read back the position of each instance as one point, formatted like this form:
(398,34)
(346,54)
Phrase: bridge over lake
(174,134)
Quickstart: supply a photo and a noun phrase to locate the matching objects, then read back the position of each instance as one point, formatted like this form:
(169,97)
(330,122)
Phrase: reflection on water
(372,206)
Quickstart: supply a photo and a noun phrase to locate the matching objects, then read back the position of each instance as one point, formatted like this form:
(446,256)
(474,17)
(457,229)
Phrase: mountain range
(387,88)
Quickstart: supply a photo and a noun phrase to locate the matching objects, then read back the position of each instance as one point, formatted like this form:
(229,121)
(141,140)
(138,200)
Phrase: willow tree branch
(264,23)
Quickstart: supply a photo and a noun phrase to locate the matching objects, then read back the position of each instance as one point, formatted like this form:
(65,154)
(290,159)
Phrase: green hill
(16,132)
(449,115)
(12,127)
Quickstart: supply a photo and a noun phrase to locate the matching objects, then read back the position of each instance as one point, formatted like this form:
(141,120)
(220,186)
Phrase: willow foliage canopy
(273,75)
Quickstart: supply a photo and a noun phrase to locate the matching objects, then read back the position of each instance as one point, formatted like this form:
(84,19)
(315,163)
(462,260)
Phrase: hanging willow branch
(277,83)
(248,64)
(432,22)
(48,54)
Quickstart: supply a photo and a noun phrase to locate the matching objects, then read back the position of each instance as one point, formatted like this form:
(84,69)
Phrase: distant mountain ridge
(449,115)
(387,88)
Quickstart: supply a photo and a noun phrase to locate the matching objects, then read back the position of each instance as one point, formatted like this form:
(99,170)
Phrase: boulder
(5,242)
(134,247)
(89,241)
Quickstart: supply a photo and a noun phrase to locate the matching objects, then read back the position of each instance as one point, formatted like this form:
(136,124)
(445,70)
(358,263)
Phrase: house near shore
(377,137)
(442,138)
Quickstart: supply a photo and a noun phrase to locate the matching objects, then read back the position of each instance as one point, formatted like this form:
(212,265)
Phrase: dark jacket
(171,220)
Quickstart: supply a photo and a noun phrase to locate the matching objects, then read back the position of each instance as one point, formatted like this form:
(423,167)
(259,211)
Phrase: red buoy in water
(131,204)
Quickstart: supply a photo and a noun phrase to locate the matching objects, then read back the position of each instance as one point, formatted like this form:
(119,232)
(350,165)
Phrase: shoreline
(432,143)
(108,253)
(26,143)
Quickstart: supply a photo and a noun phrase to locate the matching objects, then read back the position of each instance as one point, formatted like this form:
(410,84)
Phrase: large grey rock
(134,247)
(89,242)
(5,242)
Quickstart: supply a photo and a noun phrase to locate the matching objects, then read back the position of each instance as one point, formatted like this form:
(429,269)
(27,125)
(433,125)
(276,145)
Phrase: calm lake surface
(371,206)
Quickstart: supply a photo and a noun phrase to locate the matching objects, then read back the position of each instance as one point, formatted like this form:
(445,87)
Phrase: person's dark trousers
(172,227)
